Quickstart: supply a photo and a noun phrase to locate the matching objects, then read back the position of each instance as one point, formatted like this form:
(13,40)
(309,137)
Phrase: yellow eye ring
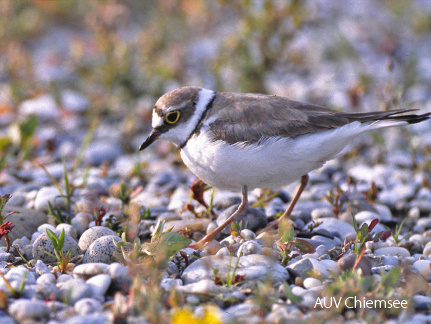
(172,117)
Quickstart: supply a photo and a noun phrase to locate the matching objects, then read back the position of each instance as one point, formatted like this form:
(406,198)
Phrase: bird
(242,141)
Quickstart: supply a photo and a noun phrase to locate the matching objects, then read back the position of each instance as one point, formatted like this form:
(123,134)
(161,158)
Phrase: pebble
(43,244)
(49,194)
(423,267)
(392,250)
(248,248)
(101,250)
(300,268)
(311,283)
(102,151)
(202,287)
(80,222)
(325,268)
(86,306)
(68,229)
(195,224)
(92,234)
(75,289)
(44,107)
(253,267)
(347,262)
(29,310)
(90,269)
(334,225)
(253,219)
(99,284)
(25,221)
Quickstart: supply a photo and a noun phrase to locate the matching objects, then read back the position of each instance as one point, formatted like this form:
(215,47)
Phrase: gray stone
(25,221)
(92,234)
(74,290)
(90,269)
(101,250)
(86,306)
(43,244)
(252,267)
(88,319)
(102,151)
(49,194)
(99,284)
(300,268)
(253,218)
(27,310)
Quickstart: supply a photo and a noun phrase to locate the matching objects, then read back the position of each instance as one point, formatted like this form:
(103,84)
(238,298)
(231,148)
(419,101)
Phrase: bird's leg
(211,236)
(274,224)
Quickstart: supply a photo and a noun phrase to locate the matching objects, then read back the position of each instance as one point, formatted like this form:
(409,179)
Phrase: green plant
(363,235)
(288,242)
(232,278)
(20,139)
(337,200)
(162,247)
(58,244)
(16,293)
(396,234)
(5,228)
(69,188)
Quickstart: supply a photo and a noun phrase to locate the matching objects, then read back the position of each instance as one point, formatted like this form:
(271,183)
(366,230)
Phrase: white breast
(271,164)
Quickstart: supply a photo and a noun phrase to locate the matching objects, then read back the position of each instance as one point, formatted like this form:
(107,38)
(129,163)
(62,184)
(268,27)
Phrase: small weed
(58,244)
(57,214)
(266,196)
(235,229)
(337,200)
(288,242)
(162,247)
(371,193)
(16,293)
(363,235)
(5,228)
(69,188)
(396,234)
(232,278)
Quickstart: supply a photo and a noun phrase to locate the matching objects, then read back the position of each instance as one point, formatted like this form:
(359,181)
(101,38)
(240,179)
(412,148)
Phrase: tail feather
(389,115)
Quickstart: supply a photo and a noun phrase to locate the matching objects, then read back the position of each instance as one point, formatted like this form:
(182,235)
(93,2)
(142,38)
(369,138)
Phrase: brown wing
(250,118)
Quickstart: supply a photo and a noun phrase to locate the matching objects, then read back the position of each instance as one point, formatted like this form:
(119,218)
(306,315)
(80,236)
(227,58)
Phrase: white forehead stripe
(157,120)
(181,133)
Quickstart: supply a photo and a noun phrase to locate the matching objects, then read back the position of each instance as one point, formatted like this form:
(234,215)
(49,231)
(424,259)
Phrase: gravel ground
(69,162)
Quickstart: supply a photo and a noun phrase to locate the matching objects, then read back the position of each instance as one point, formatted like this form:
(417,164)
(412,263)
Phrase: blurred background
(69,67)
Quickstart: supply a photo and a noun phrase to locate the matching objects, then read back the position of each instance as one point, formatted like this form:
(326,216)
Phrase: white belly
(271,164)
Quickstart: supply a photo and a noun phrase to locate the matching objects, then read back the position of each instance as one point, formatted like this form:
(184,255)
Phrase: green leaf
(53,238)
(61,241)
(285,231)
(363,231)
(366,283)
(390,279)
(28,127)
(167,244)
(304,246)
(290,295)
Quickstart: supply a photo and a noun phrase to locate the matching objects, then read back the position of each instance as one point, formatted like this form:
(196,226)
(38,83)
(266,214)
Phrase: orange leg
(274,224)
(211,236)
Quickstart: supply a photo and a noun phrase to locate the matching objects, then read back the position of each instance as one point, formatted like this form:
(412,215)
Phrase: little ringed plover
(242,141)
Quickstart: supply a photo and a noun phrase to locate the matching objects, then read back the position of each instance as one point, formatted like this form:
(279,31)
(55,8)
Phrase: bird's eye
(172,117)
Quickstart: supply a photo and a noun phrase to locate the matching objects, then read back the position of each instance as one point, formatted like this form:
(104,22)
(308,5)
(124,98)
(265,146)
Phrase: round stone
(101,250)
(92,234)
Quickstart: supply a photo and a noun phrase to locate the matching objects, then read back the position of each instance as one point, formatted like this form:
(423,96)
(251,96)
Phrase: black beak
(150,139)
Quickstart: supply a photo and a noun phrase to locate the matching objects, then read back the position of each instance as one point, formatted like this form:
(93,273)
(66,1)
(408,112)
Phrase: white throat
(181,133)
